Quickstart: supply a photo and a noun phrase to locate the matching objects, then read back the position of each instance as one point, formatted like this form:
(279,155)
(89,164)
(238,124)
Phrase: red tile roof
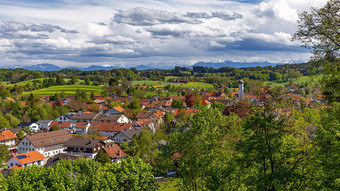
(119,109)
(115,152)
(6,135)
(114,127)
(28,157)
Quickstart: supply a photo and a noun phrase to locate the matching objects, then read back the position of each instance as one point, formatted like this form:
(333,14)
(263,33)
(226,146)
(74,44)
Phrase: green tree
(4,122)
(204,148)
(319,29)
(4,154)
(177,103)
(102,157)
(14,122)
(20,134)
(276,155)
(327,142)
(87,81)
(55,127)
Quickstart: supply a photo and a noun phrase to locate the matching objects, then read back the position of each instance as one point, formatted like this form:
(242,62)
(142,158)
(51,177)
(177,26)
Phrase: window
(11,164)
(39,162)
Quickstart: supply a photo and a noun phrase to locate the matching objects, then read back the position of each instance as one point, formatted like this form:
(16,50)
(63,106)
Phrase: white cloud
(139,32)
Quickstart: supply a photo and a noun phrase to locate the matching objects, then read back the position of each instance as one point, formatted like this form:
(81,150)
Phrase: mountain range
(52,67)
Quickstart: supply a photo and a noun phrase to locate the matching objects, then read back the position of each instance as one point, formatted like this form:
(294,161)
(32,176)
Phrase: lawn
(23,83)
(301,79)
(162,84)
(68,89)
(168,184)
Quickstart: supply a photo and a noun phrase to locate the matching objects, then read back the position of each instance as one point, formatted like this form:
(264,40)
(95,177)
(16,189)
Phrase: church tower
(241,89)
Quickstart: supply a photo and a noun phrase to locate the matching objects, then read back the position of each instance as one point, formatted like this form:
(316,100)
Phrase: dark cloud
(147,17)
(251,44)
(216,14)
(165,32)
(14,27)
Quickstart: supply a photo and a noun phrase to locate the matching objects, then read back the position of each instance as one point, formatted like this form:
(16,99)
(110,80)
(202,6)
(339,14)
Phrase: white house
(27,159)
(47,143)
(112,118)
(7,138)
(43,124)
(33,127)
(109,129)
(82,128)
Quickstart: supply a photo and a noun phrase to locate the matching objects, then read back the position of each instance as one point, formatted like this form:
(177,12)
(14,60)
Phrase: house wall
(120,137)
(10,142)
(13,162)
(25,146)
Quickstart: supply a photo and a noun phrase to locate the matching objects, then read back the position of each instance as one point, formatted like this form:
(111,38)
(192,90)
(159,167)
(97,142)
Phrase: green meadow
(299,80)
(162,84)
(68,89)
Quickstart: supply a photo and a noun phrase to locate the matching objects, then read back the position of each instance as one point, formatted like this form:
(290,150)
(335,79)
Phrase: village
(83,134)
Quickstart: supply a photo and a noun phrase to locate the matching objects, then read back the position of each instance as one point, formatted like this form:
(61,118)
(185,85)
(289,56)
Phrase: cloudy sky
(134,32)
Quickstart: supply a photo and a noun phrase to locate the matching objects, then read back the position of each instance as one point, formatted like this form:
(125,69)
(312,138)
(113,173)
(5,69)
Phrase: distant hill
(43,67)
(229,63)
(215,65)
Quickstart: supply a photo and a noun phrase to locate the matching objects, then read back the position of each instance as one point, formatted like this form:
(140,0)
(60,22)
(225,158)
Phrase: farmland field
(162,84)
(68,89)
(23,83)
(299,80)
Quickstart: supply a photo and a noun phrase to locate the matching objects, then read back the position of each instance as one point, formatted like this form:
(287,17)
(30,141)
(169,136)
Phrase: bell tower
(241,89)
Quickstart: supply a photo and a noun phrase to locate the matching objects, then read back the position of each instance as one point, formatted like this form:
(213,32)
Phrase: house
(156,117)
(112,118)
(64,125)
(8,138)
(126,135)
(85,147)
(15,131)
(65,117)
(61,156)
(115,153)
(115,110)
(47,143)
(84,117)
(27,159)
(144,124)
(109,129)
(33,127)
(82,128)
(44,124)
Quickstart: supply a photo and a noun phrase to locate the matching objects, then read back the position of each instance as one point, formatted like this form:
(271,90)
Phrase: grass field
(23,83)
(162,84)
(68,89)
(168,184)
(299,80)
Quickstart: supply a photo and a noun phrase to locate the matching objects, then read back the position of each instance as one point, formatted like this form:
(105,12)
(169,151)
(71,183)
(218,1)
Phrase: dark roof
(55,159)
(113,127)
(83,143)
(130,132)
(25,124)
(143,115)
(108,117)
(43,121)
(86,116)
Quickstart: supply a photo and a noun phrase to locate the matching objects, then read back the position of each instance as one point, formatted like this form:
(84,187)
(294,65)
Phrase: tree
(190,100)
(177,103)
(20,134)
(55,127)
(92,96)
(203,145)
(328,148)
(87,81)
(319,29)
(4,153)
(102,157)
(276,153)
(4,122)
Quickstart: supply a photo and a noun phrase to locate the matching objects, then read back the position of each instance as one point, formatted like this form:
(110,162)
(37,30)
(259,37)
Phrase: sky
(128,33)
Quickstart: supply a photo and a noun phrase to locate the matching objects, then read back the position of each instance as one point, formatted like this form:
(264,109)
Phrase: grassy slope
(169,184)
(162,84)
(301,79)
(69,90)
